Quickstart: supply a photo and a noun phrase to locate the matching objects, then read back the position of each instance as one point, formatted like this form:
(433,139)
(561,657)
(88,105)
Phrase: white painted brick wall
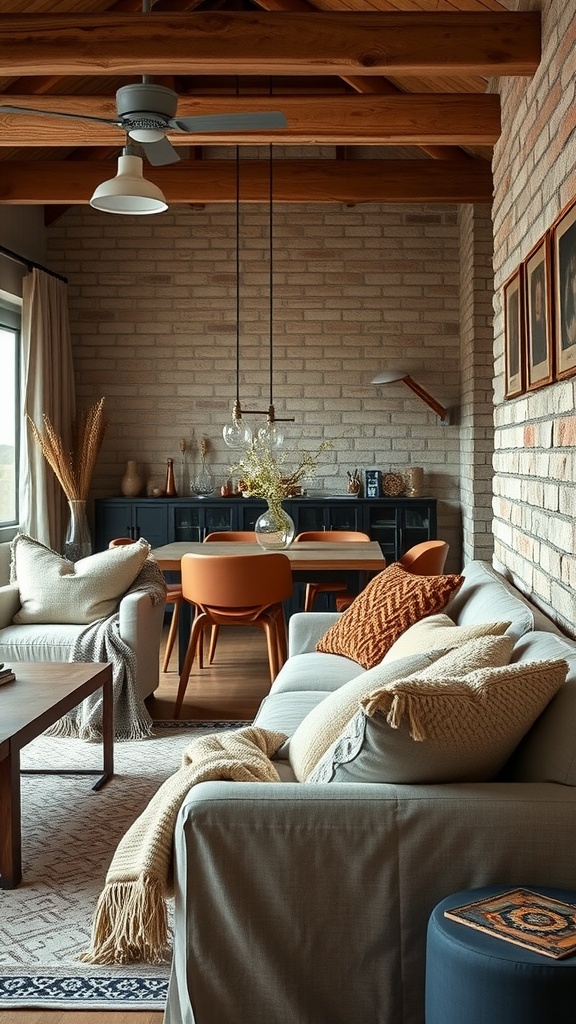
(535,440)
(153,317)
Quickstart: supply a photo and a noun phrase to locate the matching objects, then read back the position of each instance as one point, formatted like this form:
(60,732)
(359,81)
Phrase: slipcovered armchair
(140,626)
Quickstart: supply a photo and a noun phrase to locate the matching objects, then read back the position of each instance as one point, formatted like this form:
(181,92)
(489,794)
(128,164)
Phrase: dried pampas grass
(74,469)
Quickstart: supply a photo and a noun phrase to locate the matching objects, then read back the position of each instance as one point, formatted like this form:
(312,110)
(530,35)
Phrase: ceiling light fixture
(129,192)
(391,376)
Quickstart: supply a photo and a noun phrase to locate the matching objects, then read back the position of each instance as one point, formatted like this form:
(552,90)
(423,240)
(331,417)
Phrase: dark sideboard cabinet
(396,523)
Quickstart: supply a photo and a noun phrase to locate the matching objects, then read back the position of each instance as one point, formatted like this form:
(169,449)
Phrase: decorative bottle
(170,488)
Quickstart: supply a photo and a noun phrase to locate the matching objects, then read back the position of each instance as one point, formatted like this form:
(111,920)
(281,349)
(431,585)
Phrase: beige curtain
(47,388)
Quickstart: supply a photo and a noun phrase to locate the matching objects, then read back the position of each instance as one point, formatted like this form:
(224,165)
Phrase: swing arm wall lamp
(390,376)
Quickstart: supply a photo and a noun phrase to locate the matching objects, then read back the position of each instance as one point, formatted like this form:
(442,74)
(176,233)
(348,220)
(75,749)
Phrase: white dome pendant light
(129,192)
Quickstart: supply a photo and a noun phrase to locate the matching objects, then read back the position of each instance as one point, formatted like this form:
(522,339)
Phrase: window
(10,320)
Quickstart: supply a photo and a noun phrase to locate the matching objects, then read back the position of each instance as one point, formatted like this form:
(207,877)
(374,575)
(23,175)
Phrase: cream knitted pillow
(323,725)
(452,728)
(52,589)
(439,631)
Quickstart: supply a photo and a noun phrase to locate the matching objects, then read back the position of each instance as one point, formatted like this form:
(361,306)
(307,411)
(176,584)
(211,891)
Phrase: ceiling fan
(146,112)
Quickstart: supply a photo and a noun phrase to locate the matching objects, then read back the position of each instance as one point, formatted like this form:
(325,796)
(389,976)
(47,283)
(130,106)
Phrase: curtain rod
(30,264)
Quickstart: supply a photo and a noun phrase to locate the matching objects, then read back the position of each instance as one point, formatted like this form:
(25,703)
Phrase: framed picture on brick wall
(513,335)
(564,290)
(537,292)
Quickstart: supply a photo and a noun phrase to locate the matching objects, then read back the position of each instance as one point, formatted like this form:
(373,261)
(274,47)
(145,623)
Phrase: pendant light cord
(271,269)
(238,274)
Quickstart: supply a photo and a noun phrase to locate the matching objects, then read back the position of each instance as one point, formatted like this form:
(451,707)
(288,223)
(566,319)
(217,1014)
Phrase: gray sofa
(140,626)
(308,903)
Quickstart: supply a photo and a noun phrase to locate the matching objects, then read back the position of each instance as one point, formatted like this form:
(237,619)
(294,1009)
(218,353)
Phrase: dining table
(306,559)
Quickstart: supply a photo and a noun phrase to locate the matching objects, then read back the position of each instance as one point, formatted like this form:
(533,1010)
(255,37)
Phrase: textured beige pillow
(323,725)
(52,589)
(439,631)
(465,727)
(391,602)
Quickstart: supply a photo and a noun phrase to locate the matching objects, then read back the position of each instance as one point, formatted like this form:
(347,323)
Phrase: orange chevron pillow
(391,602)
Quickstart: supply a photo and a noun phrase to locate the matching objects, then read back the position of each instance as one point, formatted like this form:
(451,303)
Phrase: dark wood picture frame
(538,316)
(563,235)
(513,335)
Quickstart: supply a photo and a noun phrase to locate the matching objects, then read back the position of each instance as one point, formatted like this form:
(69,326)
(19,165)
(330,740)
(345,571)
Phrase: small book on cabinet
(525,918)
(6,674)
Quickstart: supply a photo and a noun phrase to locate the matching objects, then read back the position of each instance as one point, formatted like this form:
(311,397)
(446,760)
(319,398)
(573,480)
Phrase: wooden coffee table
(39,696)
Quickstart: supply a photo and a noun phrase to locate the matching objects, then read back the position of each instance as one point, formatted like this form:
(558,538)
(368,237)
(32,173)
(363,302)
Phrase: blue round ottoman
(475,978)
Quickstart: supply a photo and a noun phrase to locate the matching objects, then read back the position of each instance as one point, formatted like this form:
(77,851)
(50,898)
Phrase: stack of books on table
(6,674)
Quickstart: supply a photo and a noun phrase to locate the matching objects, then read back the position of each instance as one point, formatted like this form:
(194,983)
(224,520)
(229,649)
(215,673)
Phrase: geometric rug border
(51,991)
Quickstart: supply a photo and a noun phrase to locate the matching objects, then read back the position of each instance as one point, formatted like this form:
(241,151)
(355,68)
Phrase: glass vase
(274,529)
(77,543)
(203,483)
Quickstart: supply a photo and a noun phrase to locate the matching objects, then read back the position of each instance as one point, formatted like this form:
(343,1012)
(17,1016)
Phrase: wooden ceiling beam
(405,119)
(260,42)
(300,181)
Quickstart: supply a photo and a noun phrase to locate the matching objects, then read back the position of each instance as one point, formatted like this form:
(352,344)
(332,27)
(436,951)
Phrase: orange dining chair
(335,587)
(236,590)
(241,537)
(425,559)
(173,597)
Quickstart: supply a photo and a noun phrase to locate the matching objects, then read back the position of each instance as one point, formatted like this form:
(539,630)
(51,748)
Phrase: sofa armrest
(9,604)
(306,628)
(348,871)
(141,628)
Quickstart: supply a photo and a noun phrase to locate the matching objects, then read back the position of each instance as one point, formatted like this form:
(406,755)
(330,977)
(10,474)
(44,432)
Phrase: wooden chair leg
(196,634)
(213,641)
(272,644)
(172,634)
(309,596)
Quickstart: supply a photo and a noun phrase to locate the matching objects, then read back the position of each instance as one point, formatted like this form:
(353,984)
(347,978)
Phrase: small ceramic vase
(132,483)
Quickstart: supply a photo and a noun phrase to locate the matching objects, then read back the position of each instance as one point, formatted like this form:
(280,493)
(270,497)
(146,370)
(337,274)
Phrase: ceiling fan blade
(57,113)
(230,122)
(160,153)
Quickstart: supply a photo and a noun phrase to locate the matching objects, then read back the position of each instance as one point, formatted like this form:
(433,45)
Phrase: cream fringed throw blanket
(131,921)
(101,642)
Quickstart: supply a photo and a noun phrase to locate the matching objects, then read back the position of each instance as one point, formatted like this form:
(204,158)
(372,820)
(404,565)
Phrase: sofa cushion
(485,594)
(324,723)
(548,751)
(440,631)
(315,671)
(55,590)
(43,642)
(283,712)
(388,605)
(436,728)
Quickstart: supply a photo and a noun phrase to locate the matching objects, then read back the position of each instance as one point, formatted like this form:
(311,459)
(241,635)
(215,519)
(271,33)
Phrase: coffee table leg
(10,836)
(107,735)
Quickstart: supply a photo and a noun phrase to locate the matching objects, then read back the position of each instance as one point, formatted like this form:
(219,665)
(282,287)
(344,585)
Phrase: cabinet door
(194,521)
(151,522)
(248,512)
(111,520)
(133,519)
(383,523)
(418,523)
(337,515)
(399,525)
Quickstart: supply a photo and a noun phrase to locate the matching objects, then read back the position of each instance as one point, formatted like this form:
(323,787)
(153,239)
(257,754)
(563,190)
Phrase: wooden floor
(231,688)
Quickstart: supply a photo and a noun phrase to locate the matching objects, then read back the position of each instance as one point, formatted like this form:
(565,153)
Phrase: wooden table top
(40,687)
(318,556)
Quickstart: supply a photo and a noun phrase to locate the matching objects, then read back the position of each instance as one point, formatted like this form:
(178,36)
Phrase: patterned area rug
(69,834)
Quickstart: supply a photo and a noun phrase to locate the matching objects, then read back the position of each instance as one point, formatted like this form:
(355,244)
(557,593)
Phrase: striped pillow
(391,602)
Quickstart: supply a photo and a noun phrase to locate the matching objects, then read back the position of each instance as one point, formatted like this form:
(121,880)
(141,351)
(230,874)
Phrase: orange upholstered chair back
(342,535)
(236,582)
(427,558)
